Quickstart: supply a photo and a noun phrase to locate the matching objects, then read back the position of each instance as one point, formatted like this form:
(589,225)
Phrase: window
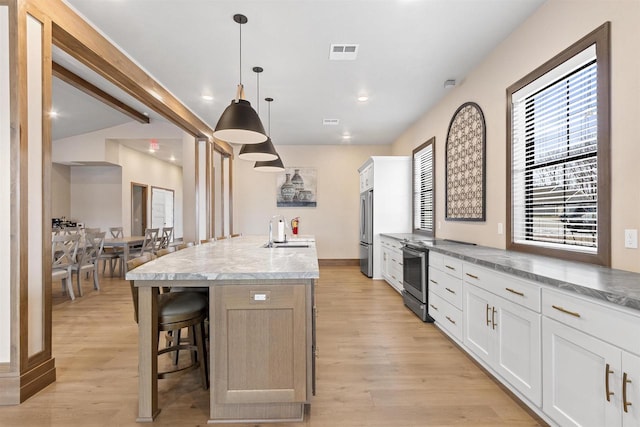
(559,155)
(424,187)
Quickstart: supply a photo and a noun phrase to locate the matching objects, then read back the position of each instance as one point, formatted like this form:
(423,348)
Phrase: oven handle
(412,252)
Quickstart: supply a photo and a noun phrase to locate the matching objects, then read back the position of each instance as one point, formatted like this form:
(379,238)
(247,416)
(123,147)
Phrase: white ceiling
(407,49)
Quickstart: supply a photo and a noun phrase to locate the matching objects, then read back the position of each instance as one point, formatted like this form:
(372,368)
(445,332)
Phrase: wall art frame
(297,187)
(465,163)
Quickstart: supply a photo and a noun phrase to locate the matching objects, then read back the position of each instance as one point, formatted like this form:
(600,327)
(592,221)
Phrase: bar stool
(177,310)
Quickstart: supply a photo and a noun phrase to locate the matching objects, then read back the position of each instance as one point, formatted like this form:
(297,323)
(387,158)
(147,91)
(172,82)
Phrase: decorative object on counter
(269,165)
(465,163)
(295,222)
(297,188)
(264,151)
(239,123)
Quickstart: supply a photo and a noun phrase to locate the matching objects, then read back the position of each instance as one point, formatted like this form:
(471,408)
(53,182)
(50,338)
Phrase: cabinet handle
(394,277)
(453,292)
(513,291)
(625,381)
(473,276)
(493,318)
(449,267)
(449,319)
(607,371)
(433,281)
(434,307)
(488,323)
(564,310)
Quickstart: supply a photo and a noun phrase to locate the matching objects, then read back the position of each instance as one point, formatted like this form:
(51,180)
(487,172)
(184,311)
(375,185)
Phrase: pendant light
(263,151)
(270,165)
(239,123)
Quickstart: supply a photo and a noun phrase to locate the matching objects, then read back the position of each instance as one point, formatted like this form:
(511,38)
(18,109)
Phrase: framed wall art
(296,187)
(465,165)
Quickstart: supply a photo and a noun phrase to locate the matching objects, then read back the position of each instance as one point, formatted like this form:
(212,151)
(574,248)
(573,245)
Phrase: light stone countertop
(616,286)
(238,258)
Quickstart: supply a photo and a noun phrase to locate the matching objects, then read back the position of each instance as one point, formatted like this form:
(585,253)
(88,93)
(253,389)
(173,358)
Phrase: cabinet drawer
(395,271)
(507,286)
(395,257)
(395,244)
(446,316)
(452,266)
(436,259)
(445,286)
(606,323)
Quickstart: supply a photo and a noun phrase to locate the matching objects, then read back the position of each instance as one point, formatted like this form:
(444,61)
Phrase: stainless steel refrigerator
(366,233)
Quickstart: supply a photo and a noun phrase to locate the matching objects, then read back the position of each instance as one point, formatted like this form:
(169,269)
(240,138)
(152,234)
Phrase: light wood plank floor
(378,366)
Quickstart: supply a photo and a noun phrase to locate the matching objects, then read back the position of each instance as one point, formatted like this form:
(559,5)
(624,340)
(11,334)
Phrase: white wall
(555,26)
(96,196)
(334,221)
(60,191)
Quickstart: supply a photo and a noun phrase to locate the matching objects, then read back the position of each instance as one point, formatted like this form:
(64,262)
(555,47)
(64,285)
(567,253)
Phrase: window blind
(423,189)
(555,161)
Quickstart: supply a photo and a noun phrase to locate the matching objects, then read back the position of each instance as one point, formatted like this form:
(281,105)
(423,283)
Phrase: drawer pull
(488,321)
(493,318)
(453,292)
(433,281)
(607,371)
(564,310)
(394,277)
(450,320)
(473,276)
(434,307)
(449,267)
(513,291)
(625,381)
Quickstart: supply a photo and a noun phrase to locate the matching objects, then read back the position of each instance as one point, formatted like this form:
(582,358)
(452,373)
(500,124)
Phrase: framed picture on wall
(296,187)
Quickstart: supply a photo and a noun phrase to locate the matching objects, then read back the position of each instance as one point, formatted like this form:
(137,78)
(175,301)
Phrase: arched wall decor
(465,165)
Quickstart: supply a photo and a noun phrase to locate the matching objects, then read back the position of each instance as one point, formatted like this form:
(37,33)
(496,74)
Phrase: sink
(286,245)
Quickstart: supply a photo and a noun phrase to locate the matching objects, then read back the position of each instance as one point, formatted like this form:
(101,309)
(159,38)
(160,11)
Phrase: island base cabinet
(507,337)
(630,390)
(581,378)
(261,352)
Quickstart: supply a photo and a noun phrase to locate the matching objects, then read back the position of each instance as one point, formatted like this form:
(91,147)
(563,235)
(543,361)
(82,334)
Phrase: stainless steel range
(415,270)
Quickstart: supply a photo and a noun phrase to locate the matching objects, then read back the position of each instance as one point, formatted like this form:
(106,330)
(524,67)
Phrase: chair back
(150,238)
(64,250)
(91,230)
(167,236)
(131,264)
(116,232)
(92,249)
(71,230)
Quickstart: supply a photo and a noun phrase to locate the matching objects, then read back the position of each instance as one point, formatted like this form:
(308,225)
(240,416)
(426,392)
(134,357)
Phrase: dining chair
(148,244)
(178,310)
(64,249)
(87,259)
(112,255)
(165,238)
(91,230)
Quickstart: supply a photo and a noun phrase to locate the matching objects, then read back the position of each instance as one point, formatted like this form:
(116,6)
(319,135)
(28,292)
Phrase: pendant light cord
(240,24)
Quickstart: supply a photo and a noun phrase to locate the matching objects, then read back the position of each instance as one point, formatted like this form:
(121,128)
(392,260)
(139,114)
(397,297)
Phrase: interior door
(138,209)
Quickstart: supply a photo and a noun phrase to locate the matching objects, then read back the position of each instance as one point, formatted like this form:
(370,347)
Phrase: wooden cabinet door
(575,377)
(517,355)
(478,330)
(631,390)
(260,344)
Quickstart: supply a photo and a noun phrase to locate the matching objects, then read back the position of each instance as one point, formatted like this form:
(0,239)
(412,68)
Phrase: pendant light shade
(239,123)
(264,151)
(270,166)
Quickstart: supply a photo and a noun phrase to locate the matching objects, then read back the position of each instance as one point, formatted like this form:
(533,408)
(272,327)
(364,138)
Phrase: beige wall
(334,221)
(95,196)
(554,27)
(61,191)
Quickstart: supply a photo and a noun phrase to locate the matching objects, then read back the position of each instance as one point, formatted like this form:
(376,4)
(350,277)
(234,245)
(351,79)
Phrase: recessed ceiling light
(53,114)
(172,158)
(363,98)
(346,136)
(207,97)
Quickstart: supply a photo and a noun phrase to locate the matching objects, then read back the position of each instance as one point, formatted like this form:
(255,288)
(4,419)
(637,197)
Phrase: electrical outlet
(500,228)
(631,239)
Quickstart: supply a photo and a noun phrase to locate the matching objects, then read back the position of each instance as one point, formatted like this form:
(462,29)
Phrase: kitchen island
(261,309)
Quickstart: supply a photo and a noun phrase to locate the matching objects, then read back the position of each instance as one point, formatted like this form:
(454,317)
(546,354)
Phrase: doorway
(138,209)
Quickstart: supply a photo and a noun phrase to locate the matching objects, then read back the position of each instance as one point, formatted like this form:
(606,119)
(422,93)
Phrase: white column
(5,190)
(189,199)
(34,193)
(201,185)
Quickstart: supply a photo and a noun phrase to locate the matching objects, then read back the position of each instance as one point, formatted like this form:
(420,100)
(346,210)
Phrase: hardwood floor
(378,366)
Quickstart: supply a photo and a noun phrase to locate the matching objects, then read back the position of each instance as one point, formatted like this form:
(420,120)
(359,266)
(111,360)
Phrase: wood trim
(340,262)
(79,39)
(222,192)
(231,231)
(209,190)
(37,378)
(95,92)
(145,195)
(601,38)
(431,141)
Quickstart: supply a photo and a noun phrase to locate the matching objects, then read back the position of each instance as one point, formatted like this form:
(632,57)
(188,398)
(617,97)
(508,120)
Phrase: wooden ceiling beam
(95,92)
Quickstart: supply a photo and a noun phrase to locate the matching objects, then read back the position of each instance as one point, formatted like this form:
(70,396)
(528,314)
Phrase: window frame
(431,141)
(600,37)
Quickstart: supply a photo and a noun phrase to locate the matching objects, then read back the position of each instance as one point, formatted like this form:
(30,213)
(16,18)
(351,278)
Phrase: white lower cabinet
(587,381)
(506,336)
(391,262)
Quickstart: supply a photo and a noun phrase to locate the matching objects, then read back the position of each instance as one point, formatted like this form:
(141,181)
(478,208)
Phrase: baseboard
(341,262)
(37,378)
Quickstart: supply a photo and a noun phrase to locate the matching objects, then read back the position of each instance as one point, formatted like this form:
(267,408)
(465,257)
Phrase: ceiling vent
(343,52)
(330,122)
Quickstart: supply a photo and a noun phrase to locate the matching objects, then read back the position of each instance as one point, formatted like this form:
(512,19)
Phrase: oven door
(414,273)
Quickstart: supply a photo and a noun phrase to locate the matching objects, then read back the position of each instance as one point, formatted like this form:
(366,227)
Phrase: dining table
(124,243)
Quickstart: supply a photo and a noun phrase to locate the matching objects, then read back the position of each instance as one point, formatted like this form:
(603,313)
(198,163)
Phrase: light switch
(500,228)
(631,238)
